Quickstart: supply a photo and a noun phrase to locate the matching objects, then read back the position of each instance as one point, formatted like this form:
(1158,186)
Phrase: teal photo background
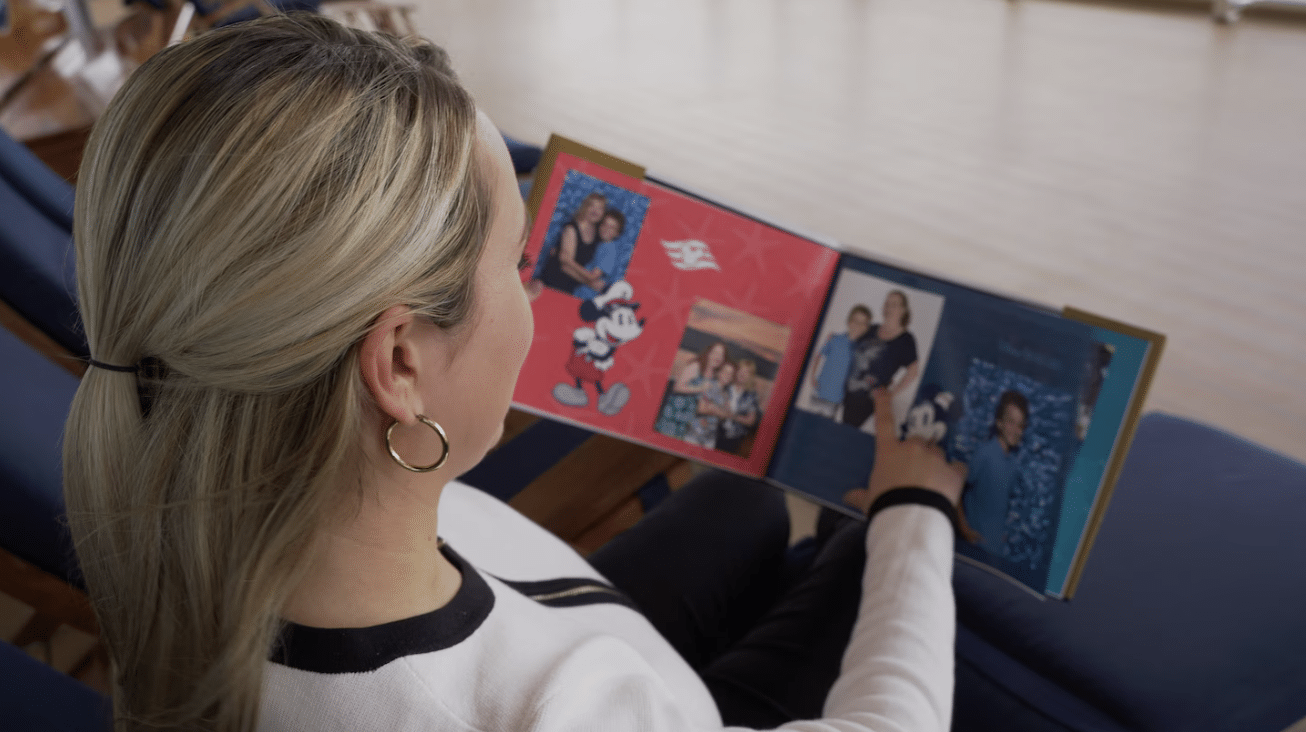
(1089,469)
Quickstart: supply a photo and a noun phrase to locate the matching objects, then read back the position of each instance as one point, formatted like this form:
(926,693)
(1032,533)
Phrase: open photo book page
(1034,405)
(664,319)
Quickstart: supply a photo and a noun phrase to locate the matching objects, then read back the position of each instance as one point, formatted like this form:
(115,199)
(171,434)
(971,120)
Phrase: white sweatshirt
(576,658)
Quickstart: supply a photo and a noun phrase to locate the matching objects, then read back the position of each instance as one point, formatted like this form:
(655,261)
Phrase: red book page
(701,276)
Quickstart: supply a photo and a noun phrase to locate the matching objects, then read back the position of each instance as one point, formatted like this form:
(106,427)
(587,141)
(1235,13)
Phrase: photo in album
(876,333)
(591,236)
(721,381)
(1006,390)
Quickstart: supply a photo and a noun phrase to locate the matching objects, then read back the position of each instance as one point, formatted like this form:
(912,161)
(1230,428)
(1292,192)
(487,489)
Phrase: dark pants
(857,407)
(708,568)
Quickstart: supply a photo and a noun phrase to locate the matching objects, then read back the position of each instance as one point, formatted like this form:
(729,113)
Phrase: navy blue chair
(37,280)
(37,565)
(36,286)
(1190,616)
(35,396)
(525,156)
(37,698)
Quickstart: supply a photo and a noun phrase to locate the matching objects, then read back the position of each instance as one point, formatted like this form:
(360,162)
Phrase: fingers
(858,498)
(884,426)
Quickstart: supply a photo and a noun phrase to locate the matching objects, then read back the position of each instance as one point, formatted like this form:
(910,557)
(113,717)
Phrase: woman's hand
(899,463)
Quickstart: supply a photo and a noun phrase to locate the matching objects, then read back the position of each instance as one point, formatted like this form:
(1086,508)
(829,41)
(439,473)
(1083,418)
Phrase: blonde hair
(591,198)
(248,204)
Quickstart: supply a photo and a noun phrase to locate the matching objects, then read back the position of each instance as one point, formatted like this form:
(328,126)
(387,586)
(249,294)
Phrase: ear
(390,362)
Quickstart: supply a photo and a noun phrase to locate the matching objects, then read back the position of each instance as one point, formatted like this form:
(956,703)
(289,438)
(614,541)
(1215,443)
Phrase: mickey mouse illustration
(612,315)
(933,413)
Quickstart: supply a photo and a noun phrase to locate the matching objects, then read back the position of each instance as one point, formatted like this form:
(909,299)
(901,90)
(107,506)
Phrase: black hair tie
(149,372)
(111,367)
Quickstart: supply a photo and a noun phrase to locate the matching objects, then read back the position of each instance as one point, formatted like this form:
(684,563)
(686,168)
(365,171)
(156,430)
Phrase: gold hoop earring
(439,431)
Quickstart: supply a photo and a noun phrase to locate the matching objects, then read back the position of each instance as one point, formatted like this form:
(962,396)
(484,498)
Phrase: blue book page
(1008,389)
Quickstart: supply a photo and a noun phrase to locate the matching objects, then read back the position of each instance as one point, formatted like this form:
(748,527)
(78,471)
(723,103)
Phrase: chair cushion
(1189,613)
(35,396)
(506,471)
(525,156)
(37,698)
(37,276)
(36,182)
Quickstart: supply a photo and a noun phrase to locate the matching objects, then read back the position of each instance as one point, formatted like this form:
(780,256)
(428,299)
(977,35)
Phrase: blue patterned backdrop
(1035,497)
(575,187)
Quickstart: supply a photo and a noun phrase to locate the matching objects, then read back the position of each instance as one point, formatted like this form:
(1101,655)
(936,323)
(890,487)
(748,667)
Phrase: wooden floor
(1145,164)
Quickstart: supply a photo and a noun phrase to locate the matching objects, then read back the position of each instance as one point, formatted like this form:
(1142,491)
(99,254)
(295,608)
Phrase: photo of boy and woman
(591,236)
(721,379)
(858,353)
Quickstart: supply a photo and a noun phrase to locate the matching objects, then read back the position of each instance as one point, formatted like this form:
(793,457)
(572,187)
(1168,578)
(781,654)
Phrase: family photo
(721,380)
(876,333)
(591,236)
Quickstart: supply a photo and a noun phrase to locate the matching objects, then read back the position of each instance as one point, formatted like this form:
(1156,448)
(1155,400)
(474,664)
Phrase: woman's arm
(598,279)
(913,369)
(688,373)
(898,669)
(816,369)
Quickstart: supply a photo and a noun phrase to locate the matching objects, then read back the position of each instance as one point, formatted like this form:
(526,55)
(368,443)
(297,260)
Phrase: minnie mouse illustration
(612,315)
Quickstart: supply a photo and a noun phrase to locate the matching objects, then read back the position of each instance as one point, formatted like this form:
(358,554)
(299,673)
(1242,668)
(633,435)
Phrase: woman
(878,358)
(298,250)
(566,266)
(680,407)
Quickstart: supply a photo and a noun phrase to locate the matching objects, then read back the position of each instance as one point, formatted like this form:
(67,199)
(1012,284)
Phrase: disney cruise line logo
(690,254)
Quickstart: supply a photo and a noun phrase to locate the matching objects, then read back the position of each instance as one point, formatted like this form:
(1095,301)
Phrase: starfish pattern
(644,374)
(756,241)
(801,286)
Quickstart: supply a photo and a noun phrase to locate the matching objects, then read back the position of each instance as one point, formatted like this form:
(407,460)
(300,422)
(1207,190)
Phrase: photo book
(686,325)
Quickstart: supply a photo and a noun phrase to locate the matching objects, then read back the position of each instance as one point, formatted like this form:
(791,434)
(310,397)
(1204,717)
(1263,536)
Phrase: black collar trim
(359,650)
